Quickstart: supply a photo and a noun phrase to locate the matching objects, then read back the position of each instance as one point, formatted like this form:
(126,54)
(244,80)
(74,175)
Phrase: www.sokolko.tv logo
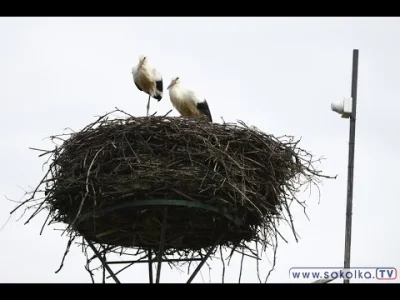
(378,273)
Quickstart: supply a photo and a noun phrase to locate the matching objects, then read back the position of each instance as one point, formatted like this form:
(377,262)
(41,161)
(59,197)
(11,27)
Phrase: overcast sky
(279,74)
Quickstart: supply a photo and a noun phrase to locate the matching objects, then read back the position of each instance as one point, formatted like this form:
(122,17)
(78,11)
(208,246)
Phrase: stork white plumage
(186,101)
(148,80)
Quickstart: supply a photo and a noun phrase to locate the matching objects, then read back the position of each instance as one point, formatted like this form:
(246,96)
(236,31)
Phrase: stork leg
(148,106)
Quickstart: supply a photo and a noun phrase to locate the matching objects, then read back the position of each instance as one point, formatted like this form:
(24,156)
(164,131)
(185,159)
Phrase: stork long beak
(170,85)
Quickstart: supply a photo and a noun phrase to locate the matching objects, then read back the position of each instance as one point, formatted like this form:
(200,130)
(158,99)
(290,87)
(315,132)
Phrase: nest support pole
(160,250)
(103,261)
(203,261)
(150,268)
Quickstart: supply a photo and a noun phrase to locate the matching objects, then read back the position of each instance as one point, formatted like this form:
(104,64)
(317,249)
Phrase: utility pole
(350,174)
(349,110)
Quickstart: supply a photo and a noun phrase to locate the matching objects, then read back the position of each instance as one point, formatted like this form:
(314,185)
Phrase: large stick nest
(223,183)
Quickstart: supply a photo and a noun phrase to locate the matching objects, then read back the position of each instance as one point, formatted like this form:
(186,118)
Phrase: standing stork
(186,101)
(148,80)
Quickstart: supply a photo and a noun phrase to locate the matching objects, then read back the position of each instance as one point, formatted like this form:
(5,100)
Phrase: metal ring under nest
(136,203)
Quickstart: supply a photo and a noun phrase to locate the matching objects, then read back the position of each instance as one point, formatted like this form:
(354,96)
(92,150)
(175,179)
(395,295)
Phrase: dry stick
(87,187)
(291,220)
(246,198)
(190,263)
(167,113)
(90,273)
(209,272)
(201,274)
(87,266)
(33,195)
(274,261)
(36,149)
(37,211)
(48,216)
(241,265)
(124,112)
(104,251)
(258,265)
(245,254)
(104,269)
(223,264)
(65,254)
(204,260)
(2,227)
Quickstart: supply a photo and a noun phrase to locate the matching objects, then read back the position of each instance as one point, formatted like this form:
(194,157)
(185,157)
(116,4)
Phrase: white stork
(148,80)
(187,102)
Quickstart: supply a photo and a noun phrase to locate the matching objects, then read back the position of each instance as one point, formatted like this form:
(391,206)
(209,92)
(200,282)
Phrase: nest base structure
(189,225)
(156,259)
(164,235)
(213,227)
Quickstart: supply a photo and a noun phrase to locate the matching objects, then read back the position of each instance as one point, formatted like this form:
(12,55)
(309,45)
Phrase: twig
(241,265)
(274,260)
(65,253)
(87,187)
(223,264)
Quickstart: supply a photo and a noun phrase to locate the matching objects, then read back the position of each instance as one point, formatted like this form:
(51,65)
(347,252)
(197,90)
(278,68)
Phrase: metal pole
(103,261)
(150,268)
(162,241)
(201,264)
(204,259)
(350,174)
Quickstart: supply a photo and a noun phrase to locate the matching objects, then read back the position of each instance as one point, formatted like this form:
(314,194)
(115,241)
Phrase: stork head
(174,81)
(142,59)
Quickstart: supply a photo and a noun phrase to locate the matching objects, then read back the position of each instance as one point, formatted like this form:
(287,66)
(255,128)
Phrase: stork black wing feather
(159,85)
(203,107)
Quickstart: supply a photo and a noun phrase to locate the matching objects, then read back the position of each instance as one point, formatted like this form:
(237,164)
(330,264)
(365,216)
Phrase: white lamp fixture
(343,108)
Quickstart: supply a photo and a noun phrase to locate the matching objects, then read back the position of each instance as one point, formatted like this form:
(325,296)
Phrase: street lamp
(348,109)
(343,108)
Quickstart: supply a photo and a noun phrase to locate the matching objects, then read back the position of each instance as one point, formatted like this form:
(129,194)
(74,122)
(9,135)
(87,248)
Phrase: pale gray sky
(279,74)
